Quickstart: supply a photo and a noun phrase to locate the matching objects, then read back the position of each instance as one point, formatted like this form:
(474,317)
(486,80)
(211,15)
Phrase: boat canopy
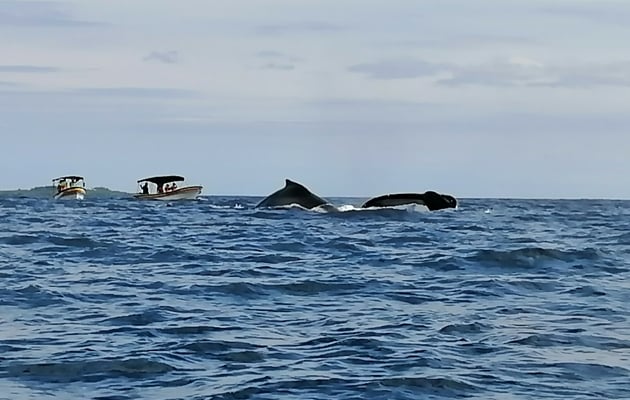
(160,180)
(72,177)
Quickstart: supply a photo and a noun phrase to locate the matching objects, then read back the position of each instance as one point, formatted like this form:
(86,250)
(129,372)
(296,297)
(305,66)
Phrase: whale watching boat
(69,188)
(165,188)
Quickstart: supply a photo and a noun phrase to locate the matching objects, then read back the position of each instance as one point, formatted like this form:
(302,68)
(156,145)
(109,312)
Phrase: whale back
(450,200)
(394,199)
(292,193)
(436,201)
(432,200)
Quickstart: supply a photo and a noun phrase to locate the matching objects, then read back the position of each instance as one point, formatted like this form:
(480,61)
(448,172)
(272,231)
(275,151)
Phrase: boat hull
(184,193)
(73,193)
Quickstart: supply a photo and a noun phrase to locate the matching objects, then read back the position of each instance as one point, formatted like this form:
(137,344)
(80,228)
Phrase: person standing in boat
(145,188)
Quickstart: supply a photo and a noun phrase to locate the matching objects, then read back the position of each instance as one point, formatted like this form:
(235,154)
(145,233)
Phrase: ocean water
(213,299)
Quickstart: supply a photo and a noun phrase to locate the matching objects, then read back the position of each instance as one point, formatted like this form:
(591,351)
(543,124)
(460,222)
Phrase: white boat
(165,188)
(70,187)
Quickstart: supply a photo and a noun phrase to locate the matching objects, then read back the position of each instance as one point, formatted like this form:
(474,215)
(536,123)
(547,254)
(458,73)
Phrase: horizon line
(501,197)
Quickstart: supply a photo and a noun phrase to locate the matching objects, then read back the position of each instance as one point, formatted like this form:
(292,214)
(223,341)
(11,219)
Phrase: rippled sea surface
(213,299)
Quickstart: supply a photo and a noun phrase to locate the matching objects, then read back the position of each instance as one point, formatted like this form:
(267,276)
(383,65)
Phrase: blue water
(212,299)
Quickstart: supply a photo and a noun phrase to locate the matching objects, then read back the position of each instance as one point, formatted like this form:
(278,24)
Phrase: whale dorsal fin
(289,183)
(292,193)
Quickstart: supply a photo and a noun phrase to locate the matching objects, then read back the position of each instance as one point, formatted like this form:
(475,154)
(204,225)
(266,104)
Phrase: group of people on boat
(169,187)
(69,183)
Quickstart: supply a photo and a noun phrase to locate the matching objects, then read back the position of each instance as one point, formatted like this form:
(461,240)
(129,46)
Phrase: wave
(435,385)
(196,330)
(350,209)
(238,289)
(586,291)
(533,257)
(539,340)
(403,387)
(271,259)
(231,352)
(267,386)
(19,239)
(412,297)
(310,287)
(464,329)
(139,319)
(31,296)
(577,371)
(61,241)
(235,206)
(89,370)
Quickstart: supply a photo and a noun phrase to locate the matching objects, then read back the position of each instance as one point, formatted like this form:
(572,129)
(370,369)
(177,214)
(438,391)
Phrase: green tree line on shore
(49,191)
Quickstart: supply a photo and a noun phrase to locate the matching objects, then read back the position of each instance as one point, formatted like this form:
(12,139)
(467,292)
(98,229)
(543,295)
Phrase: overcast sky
(351,98)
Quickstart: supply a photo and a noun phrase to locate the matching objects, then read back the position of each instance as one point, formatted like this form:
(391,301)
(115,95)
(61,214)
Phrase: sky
(491,98)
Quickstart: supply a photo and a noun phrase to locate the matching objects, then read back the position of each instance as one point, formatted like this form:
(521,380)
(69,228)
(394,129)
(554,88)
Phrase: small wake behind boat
(166,188)
(69,188)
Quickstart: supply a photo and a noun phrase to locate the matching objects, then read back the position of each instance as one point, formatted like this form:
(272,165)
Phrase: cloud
(276,55)
(28,69)
(359,112)
(515,71)
(19,90)
(465,41)
(399,69)
(275,60)
(363,103)
(298,27)
(39,13)
(270,54)
(165,57)
(4,84)
(280,67)
(613,74)
(136,92)
(598,13)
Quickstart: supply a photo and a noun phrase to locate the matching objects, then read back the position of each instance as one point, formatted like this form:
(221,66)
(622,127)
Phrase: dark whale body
(292,193)
(432,200)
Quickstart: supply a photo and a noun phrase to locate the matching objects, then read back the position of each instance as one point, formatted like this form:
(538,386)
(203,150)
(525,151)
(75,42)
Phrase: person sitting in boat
(145,188)
(160,189)
(173,186)
(168,187)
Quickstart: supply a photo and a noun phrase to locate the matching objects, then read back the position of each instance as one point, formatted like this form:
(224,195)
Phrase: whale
(293,193)
(432,200)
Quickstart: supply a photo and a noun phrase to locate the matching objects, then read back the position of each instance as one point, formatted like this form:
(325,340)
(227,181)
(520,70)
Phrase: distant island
(48,191)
